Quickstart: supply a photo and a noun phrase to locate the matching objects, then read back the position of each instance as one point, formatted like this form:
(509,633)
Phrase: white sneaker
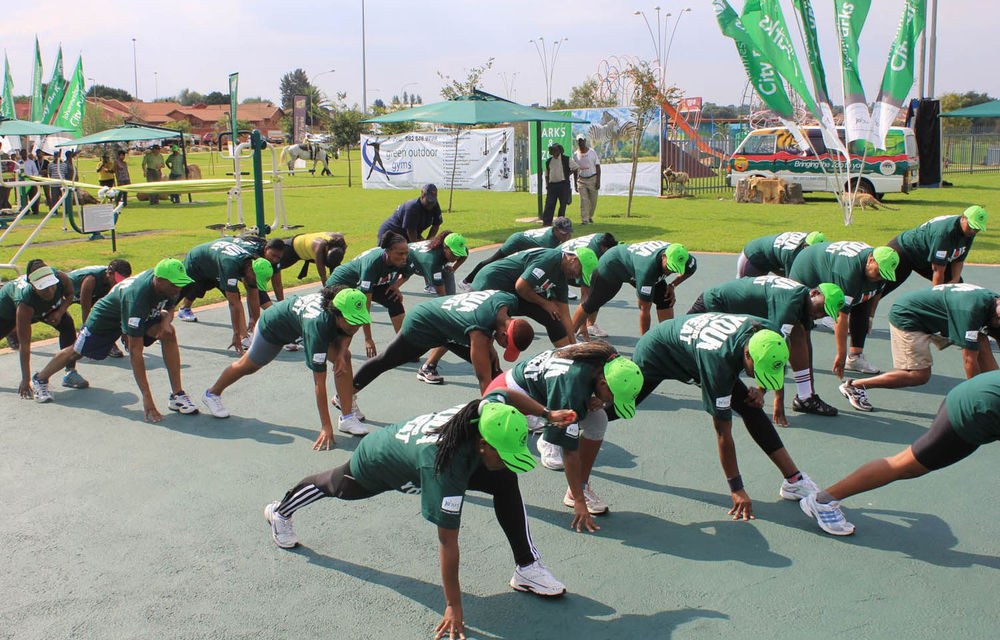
(536,424)
(828,516)
(185,314)
(357,409)
(464,286)
(595,506)
(596,331)
(798,490)
(430,288)
(551,454)
(860,364)
(281,528)
(827,322)
(214,404)
(41,390)
(352,426)
(536,578)
(181,403)
(857,396)
(572,295)
(294,346)
(245,342)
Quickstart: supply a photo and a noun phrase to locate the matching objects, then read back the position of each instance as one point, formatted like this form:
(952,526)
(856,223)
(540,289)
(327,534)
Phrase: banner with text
(480,160)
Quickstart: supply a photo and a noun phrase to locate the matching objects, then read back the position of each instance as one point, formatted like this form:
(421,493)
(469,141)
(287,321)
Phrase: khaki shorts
(911,350)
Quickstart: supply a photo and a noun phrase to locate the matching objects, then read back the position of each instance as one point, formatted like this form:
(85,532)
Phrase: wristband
(735,484)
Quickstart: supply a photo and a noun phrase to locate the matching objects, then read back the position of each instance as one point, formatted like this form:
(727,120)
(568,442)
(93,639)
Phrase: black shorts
(96,346)
(554,327)
(198,289)
(940,446)
(602,290)
(394,307)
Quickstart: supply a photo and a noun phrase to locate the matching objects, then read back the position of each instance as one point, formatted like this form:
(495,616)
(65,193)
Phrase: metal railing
(708,173)
(970,152)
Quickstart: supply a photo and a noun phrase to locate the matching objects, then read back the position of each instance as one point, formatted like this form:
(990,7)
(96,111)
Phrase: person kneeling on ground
(141,308)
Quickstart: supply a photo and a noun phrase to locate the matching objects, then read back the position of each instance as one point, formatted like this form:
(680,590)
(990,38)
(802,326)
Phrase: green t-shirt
(639,264)
(368,270)
(842,263)
(529,239)
(175,161)
(938,241)
(974,408)
(541,268)
(130,307)
(705,349)
(782,301)
(221,261)
(19,291)
(958,312)
(557,383)
(449,319)
(401,457)
(101,287)
(775,253)
(301,317)
(591,241)
(427,262)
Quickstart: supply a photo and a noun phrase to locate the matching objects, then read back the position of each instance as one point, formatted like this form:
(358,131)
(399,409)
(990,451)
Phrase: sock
(803,383)
(795,477)
(824,498)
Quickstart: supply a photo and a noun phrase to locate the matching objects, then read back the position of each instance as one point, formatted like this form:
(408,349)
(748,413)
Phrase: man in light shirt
(587,178)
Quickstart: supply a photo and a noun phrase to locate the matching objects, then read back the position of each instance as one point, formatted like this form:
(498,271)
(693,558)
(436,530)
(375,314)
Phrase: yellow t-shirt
(302,243)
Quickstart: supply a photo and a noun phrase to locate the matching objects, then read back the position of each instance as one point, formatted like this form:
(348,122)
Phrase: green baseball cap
(976,216)
(353,305)
(505,429)
(172,269)
(770,355)
(263,269)
(456,242)
(677,258)
(625,381)
(814,237)
(833,297)
(887,260)
(588,262)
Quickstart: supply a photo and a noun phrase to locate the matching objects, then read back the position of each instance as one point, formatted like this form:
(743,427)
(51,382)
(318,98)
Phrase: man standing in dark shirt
(414,216)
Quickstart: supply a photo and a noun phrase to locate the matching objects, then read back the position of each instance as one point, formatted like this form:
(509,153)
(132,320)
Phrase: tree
(292,84)
(178,125)
(102,91)
(255,100)
(217,97)
(454,88)
(347,129)
(954,101)
(378,104)
(187,97)
(584,96)
(96,119)
(644,99)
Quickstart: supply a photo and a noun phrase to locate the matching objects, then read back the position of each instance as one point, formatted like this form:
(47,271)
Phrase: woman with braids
(325,322)
(583,378)
(479,446)
(437,259)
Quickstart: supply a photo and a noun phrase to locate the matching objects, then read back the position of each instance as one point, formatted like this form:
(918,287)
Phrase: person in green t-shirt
(937,249)
(437,259)
(968,417)
(791,306)
(466,324)
(43,294)
(774,253)
(273,250)
(711,350)
(644,265)
(546,238)
(860,271)
(175,162)
(325,322)
(960,314)
(583,378)
(599,243)
(223,265)
(152,168)
(479,446)
(90,284)
(540,278)
(140,308)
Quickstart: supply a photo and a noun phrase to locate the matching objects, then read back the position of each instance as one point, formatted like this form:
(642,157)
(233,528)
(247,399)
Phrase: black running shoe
(813,404)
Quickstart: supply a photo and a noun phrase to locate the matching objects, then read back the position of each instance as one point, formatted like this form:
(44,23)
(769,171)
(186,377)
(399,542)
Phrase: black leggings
(553,326)
(498,254)
(758,425)
(502,485)
(857,324)
(940,446)
(394,307)
(66,329)
(398,351)
(602,290)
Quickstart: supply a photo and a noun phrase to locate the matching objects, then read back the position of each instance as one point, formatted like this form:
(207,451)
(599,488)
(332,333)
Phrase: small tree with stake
(347,128)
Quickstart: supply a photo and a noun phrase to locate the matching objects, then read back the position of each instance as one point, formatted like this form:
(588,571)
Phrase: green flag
(7,100)
(37,98)
(898,77)
(75,103)
(828,128)
(234,81)
(765,80)
(850,16)
(54,92)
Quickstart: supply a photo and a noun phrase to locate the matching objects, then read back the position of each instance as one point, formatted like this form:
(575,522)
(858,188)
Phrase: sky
(195,44)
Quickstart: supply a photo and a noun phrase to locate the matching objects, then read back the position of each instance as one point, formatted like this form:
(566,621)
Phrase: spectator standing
(122,176)
(587,178)
(106,171)
(43,169)
(152,166)
(30,168)
(175,162)
(414,216)
(557,171)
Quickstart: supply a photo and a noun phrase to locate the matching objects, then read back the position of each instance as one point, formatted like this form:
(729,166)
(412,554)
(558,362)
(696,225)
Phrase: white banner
(615,177)
(480,159)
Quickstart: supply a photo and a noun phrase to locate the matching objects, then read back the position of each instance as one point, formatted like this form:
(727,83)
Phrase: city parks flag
(7,99)
(54,92)
(73,105)
(898,77)
(829,129)
(851,15)
(37,97)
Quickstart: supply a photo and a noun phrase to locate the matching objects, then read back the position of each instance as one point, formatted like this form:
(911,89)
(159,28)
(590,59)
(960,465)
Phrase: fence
(708,173)
(970,152)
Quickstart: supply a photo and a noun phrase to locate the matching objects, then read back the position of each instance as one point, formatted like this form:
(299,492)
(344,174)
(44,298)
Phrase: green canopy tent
(984,110)
(27,128)
(480,107)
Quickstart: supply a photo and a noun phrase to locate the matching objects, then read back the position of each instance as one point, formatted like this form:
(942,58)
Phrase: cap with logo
(976,216)
(770,355)
(833,298)
(456,242)
(815,237)
(519,337)
(887,260)
(353,305)
(677,258)
(625,382)
(172,269)
(43,278)
(505,429)
(588,262)
(263,269)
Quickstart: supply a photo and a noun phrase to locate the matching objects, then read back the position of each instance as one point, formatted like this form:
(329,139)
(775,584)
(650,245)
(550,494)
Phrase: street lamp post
(309,119)
(135,70)
(670,43)
(548,63)
(156,85)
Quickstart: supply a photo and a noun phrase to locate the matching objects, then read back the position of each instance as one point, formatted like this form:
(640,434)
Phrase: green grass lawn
(706,222)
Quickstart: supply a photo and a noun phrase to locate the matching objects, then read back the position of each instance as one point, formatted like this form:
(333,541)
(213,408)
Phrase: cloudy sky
(196,44)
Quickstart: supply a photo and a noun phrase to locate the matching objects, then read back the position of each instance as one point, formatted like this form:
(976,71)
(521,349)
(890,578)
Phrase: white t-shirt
(587,161)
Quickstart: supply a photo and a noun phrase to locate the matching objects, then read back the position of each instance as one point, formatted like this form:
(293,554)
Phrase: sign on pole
(298,119)
(234,81)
